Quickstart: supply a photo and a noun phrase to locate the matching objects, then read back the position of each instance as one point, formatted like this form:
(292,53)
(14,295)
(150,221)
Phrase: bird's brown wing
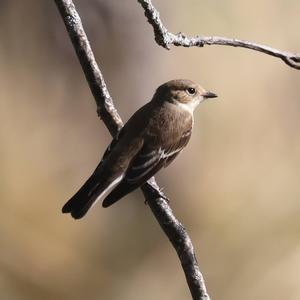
(112,144)
(144,165)
(80,203)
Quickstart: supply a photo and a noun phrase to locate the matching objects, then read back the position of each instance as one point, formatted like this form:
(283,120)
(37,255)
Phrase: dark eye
(191,91)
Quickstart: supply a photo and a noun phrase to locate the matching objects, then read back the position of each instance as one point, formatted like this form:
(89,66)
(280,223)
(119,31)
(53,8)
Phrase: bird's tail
(89,193)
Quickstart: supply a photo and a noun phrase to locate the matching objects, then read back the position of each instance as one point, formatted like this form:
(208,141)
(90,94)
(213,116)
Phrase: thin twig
(156,199)
(165,38)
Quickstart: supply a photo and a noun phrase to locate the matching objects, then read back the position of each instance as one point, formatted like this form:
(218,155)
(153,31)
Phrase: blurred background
(235,188)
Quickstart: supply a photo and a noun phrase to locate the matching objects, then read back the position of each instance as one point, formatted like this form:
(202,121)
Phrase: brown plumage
(150,140)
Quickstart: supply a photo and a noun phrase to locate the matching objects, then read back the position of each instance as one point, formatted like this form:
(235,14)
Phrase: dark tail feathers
(81,202)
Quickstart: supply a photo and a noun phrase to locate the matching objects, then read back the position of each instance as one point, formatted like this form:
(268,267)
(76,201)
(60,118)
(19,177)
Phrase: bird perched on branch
(150,140)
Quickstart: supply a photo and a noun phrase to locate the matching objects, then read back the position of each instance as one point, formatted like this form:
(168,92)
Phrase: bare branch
(157,201)
(165,38)
(179,239)
(105,107)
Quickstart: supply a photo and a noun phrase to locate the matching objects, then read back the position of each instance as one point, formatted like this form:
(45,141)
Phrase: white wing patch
(168,154)
(146,162)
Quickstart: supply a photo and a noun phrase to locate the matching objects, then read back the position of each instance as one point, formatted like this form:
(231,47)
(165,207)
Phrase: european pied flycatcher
(150,140)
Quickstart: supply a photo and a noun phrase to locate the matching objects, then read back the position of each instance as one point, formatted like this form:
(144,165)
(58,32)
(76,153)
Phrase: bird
(150,140)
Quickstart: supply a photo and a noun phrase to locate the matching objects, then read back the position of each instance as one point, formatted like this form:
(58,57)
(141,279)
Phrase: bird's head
(185,93)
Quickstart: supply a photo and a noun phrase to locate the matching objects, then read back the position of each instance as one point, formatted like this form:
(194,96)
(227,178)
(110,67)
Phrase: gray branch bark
(157,201)
(165,38)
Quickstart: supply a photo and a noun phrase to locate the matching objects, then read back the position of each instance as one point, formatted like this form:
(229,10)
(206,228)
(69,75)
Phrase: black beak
(207,95)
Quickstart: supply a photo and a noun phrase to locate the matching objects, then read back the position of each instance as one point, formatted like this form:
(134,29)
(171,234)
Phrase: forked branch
(165,38)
